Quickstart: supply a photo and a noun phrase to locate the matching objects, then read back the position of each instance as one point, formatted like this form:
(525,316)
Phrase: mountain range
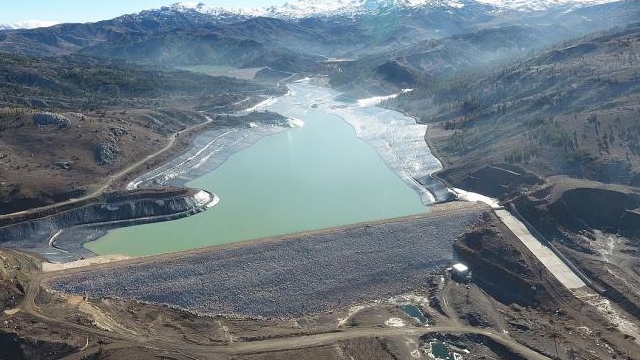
(308,8)
(301,36)
(364,48)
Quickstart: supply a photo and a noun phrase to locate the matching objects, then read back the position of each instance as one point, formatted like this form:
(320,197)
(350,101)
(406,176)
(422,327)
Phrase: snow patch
(373,101)
(265,103)
(473,197)
(303,80)
(306,8)
(28,24)
(210,150)
(293,122)
(214,201)
(202,198)
(395,322)
(538,5)
(607,309)
(220,12)
(52,240)
(606,244)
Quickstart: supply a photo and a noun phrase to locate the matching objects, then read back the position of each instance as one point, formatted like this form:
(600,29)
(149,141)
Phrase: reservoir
(304,178)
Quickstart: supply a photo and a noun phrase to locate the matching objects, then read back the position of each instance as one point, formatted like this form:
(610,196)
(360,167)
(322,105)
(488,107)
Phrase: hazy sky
(94,10)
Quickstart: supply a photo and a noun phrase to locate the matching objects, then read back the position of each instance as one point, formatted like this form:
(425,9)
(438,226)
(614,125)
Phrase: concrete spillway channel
(568,275)
(548,258)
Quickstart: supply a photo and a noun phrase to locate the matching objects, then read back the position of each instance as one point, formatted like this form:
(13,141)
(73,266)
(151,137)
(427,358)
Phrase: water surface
(316,176)
(414,312)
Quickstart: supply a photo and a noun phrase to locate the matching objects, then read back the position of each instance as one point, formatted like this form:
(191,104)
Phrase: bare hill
(68,124)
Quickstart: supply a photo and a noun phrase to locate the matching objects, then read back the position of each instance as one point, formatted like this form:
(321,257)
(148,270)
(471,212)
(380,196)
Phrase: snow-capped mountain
(308,8)
(27,24)
(297,36)
(534,5)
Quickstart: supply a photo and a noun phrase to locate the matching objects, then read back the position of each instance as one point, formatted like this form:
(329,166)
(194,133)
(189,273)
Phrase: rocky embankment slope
(130,208)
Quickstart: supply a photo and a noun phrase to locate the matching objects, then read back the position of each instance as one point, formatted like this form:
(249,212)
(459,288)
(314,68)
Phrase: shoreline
(49,237)
(414,180)
(180,177)
(193,150)
(104,227)
(177,173)
(444,164)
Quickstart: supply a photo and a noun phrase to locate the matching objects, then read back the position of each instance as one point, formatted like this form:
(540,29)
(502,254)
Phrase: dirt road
(110,180)
(120,337)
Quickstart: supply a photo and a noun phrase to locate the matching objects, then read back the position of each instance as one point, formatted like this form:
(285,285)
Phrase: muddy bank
(496,181)
(566,204)
(206,151)
(41,235)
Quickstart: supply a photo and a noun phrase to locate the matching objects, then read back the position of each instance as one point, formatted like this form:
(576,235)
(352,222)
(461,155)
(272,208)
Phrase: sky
(95,10)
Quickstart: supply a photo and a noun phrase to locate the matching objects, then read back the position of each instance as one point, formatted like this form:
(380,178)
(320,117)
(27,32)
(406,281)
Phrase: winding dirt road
(109,180)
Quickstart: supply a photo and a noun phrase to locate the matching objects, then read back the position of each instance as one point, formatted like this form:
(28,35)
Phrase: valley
(297,182)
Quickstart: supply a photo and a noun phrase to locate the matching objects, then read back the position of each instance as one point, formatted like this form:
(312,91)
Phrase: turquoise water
(415,312)
(316,176)
(440,350)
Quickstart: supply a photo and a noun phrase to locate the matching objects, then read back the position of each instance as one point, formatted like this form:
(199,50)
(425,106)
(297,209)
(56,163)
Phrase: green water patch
(316,176)
(415,313)
(440,350)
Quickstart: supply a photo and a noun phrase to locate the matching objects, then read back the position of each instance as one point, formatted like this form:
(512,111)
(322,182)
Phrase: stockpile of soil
(494,181)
